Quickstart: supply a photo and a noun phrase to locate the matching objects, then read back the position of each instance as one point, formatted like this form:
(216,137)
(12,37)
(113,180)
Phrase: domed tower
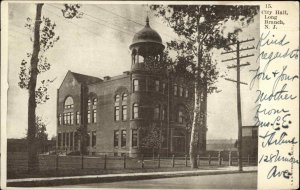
(146,47)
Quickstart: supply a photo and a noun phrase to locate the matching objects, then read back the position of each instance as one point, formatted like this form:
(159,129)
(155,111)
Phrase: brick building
(118,112)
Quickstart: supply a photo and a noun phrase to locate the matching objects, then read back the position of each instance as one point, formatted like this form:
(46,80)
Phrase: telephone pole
(238,89)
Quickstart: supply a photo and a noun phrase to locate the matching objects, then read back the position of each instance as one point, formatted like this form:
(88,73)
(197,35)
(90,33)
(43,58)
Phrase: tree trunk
(194,139)
(33,164)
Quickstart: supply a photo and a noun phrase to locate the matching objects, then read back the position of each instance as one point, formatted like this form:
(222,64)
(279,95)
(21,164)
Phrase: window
(71,118)
(59,139)
(124,113)
(116,139)
(201,97)
(93,138)
(67,139)
(89,116)
(65,119)
(71,139)
(135,111)
(135,85)
(164,113)
(163,88)
(180,91)
(180,116)
(186,93)
(117,113)
(64,139)
(89,102)
(175,89)
(59,120)
(157,85)
(94,116)
(123,138)
(134,138)
(88,139)
(156,113)
(95,101)
(77,117)
(117,98)
(69,103)
(124,97)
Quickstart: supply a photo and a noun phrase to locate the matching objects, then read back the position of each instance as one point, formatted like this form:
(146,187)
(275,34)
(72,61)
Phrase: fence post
(173,161)
(105,161)
(219,158)
(142,161)
(198,160)
(158,161)
(248,160)
(82,161)
(185,160)
(230,159)
(209,159)
(56,164)
(124,161)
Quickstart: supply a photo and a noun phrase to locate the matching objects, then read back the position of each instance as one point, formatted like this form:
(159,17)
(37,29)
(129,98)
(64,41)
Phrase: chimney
(106,78)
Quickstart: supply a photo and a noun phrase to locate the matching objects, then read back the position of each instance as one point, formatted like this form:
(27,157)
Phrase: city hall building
(119,113)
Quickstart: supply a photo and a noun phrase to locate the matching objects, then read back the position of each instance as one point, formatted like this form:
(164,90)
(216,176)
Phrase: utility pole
(238,89)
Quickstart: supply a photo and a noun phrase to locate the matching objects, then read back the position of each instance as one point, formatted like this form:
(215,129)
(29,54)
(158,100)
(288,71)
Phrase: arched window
(124,97)
(117,98)
(95,100)
(135,111)
(69,103)
(89,102)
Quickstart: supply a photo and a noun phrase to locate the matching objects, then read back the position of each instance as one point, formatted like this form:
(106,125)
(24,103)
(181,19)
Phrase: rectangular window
(59,119)
(135,85)
(180,91)
(175,89)
(124,113)
(123,138)
(186,93)
(64,139)
(164,115)
(117,113)
(180,117)
(71,139)
(135,111)
(71,118)
(116,139)
(134,138)
(93,138)
(67,139)
(89,116)
(94,116)
(157,85)
(156,113)
(59,139)
(163,88)
(65,118)
(88,139)
(77,117)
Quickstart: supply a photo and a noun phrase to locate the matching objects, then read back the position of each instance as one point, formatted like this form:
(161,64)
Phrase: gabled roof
(86,78)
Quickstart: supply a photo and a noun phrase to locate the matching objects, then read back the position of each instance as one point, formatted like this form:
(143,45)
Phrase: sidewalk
(54,181)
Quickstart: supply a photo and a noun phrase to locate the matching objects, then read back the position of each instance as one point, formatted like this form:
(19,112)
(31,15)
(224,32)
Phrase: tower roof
(147,34)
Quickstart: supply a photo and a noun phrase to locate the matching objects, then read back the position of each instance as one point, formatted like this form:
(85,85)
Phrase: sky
(98,45)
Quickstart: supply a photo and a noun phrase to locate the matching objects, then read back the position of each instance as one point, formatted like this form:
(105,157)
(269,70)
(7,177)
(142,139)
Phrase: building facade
(119,114)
